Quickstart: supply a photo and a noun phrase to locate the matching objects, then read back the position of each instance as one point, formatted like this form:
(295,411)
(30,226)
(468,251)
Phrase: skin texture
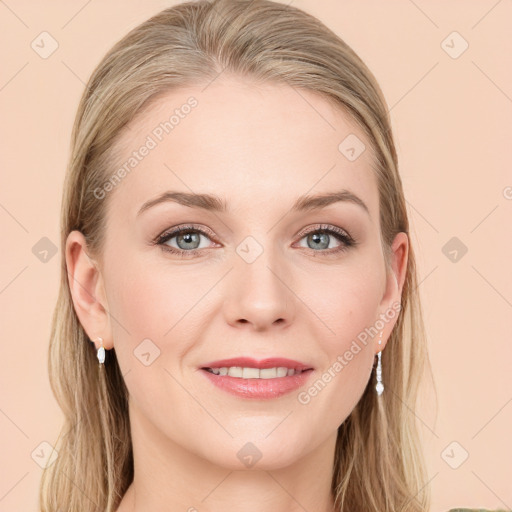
(259,147)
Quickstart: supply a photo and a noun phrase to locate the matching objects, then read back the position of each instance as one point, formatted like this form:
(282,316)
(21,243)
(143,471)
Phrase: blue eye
(322,236)
(189,238)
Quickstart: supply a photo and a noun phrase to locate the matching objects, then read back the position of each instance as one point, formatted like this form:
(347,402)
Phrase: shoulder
(475,510)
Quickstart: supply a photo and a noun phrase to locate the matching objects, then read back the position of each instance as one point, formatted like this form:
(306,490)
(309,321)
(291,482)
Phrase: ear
(395,279)
(87,290)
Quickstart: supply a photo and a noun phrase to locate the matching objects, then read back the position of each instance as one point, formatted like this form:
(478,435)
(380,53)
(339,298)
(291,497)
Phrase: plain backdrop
(445,70)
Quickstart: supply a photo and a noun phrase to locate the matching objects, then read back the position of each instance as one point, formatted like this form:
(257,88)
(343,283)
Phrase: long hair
(379,464)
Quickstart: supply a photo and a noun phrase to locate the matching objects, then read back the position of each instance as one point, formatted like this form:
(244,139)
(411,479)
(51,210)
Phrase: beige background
(452,119)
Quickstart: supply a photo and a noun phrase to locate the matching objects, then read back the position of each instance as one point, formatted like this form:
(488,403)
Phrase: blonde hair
(379,465)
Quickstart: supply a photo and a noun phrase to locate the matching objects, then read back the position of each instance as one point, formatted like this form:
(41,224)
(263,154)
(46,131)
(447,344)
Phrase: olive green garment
(475,510)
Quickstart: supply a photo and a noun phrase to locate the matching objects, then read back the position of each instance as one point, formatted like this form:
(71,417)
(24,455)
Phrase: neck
(169,477)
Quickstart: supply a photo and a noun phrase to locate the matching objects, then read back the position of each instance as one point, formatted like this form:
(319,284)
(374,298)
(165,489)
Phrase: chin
(257,452)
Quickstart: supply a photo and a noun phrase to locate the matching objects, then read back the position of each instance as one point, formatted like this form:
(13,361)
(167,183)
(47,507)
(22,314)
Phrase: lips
(245,382)
(249,362)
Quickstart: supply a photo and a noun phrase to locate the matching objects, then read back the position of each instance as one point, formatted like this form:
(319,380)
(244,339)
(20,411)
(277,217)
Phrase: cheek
(142,302)
(156,302)
(349,302)
(136,290)
(150,310)
(347,334)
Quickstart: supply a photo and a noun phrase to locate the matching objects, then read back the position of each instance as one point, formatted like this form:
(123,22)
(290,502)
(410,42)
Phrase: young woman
(238,326)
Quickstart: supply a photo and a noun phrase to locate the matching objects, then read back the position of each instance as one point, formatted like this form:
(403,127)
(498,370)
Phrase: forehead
(246,142)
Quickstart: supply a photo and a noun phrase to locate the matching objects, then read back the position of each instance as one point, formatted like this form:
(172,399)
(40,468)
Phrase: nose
(259,294)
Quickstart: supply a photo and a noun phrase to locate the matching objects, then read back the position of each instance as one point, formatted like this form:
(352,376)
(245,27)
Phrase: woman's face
(257,280)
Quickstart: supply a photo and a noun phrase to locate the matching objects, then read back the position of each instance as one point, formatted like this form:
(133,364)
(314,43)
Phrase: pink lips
(249,362)
(258,388)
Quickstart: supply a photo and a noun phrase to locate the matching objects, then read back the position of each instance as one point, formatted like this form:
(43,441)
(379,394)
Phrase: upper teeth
(254,373)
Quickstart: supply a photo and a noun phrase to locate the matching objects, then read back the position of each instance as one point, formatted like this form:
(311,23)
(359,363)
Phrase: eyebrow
(214,203)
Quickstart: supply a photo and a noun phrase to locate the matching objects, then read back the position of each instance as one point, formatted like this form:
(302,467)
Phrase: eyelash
(341,235)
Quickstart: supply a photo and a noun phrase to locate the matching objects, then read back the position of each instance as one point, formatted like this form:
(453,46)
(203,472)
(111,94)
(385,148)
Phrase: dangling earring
(101,352)
(379,387)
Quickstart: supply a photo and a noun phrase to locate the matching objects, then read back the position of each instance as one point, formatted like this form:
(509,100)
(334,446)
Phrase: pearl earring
(101,352)
(379,387)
